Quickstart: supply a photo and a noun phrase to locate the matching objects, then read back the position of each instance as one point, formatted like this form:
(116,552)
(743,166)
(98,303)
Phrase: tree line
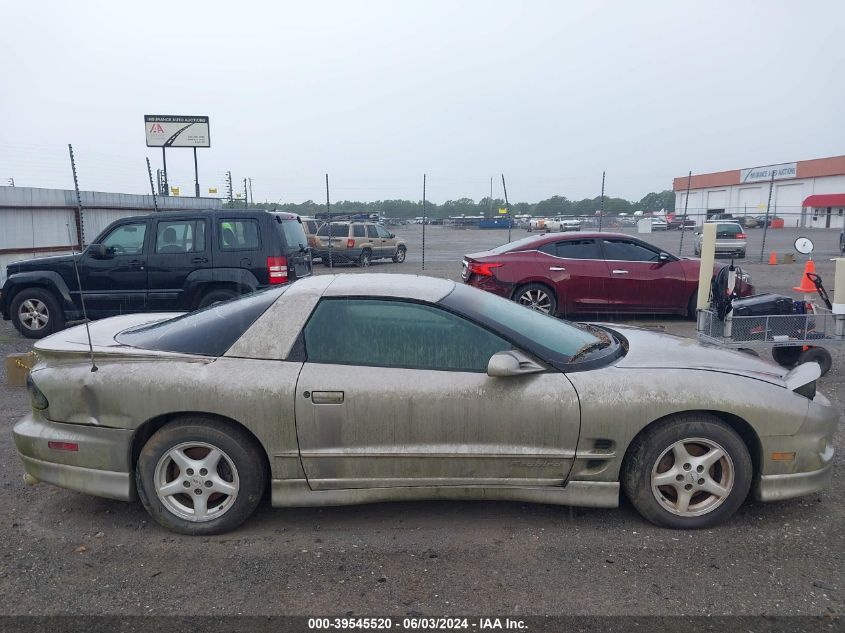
(556,205)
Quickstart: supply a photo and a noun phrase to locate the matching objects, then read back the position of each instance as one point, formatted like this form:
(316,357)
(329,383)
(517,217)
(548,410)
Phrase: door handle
(556,268)
(199,260)
(620,272)
(139,263)
(327,397)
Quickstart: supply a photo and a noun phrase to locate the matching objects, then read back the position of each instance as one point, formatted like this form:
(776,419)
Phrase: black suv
(163,261)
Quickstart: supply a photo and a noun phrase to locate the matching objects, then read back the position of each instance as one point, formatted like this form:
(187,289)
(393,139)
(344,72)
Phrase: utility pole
(229,192)
(424,220)
(11,182)
(251,198)
(766,225)
(601,209)
(152,187)
(196,176)
(329,212)
(684,221)
(246,200)
(166,187)
(507,207)
(80,237)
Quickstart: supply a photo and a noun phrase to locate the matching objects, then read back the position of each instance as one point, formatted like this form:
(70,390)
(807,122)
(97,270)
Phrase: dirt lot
(69,553)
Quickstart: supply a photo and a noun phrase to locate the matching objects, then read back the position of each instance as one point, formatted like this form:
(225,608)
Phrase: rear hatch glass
(728,231)
(207,332)
(296,248)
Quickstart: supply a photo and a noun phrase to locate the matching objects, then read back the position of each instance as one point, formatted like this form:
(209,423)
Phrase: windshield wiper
(589,347)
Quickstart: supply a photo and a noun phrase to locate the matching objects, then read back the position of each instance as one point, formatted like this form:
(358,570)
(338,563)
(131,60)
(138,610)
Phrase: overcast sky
(376,93)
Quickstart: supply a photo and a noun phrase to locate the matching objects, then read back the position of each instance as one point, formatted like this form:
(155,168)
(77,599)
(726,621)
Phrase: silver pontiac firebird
(360,388)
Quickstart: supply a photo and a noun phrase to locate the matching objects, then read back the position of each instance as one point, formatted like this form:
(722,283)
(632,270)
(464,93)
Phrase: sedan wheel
(537,298)
(688,471)
(200,475)
(692,477)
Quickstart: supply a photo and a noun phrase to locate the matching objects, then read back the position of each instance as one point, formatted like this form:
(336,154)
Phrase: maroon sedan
(589,273)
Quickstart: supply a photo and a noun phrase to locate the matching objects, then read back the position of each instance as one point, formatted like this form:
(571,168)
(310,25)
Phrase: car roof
(417,287)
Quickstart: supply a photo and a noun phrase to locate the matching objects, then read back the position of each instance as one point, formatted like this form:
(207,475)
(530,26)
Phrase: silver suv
(358,243)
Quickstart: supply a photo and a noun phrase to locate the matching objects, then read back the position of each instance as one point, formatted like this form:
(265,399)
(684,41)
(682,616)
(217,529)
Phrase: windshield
(294,233)
(523,244)
(207,332)
(553,339)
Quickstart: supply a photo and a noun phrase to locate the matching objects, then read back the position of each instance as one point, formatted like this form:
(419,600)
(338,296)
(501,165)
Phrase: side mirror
(100,251)
(392,235)
(664,257)
(511,363)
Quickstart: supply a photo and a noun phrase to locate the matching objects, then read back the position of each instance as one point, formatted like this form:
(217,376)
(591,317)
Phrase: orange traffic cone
(806,286)
(773,259)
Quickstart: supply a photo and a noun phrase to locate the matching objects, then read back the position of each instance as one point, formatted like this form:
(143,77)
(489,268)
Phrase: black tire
(649,453)
(216,296)
(786,356)
(249,476)
(47,317)
(365,258)
(399,257)
(523,294)
(816,355)
(692,305)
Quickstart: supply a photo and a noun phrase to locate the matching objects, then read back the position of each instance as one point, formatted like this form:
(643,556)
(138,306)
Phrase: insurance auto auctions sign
(758,174)
(176,131)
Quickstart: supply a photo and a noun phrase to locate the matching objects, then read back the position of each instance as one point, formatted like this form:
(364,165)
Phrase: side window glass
(371,231)
(384,333)
(357,230)
(622,250)
(175,236)
(382,232)
(127,239)
(239,235)
(549,249)
(199,241)
(577,249)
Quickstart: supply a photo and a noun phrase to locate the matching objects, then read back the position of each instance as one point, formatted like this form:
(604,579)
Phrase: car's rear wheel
(399,257)
(537,297)
(692,305)
(36,313)
(690,471)
(216,296)
(787,356)
(200,476)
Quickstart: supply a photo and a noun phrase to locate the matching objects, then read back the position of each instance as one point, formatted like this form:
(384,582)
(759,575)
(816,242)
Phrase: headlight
(39,400)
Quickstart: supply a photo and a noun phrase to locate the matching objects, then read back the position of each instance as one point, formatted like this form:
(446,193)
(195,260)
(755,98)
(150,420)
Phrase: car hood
(648,349)
(38,263)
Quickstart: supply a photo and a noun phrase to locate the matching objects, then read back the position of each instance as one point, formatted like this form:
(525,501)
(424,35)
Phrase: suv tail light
(741,236)
(480,268)
(350,243)
(278,269)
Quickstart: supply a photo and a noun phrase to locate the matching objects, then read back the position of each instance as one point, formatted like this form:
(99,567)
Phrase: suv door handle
(139,263)
(556,268)
(327,397)
(199,260)
(620,272)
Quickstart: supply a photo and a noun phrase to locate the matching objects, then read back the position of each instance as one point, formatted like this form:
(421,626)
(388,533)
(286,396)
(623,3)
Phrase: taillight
(350,243)
(63,446)
(278,269)
(741,236)
(480,268)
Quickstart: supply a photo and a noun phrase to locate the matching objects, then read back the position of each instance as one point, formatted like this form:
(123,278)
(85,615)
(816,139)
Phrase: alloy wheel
(196,481)
(34,314)
(536,299)
(692,477)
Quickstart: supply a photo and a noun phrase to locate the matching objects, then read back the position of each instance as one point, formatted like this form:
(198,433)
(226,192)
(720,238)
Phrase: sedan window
(387,333)
(577,249)
(623,250)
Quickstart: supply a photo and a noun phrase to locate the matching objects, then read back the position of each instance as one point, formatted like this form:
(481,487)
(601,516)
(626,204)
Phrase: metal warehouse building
(807,193)
(35,222)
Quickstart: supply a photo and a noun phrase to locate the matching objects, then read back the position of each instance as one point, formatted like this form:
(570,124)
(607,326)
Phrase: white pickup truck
(557,224)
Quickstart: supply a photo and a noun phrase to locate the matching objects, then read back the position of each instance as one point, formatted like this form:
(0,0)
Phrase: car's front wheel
(687,472)
(399,257)
(365,258)
(201,476)
(36,313)
(537,297)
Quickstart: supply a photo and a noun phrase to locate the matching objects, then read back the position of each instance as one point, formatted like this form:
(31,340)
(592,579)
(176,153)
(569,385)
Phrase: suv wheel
(36,313)
(216,296)
(399,257)
(365,258)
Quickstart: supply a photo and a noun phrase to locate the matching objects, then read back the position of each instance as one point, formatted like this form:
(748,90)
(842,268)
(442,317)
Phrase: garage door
(788,199)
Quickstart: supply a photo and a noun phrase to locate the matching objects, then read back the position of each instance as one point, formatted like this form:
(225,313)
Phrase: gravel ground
(68,553)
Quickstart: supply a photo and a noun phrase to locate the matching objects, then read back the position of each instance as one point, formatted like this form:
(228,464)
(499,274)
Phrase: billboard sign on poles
(176,131)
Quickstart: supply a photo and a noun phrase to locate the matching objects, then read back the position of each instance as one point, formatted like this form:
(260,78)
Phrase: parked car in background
(659,224)
(589,273)
(347,389)
(730,240)
(359,243)
(310,226)
(679,224)
(762,221)
(747,222)
(842,241)
(174,260)
(570,224)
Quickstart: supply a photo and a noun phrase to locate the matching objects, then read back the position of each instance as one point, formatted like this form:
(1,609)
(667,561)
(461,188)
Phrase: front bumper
(778,487)
(101,466)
